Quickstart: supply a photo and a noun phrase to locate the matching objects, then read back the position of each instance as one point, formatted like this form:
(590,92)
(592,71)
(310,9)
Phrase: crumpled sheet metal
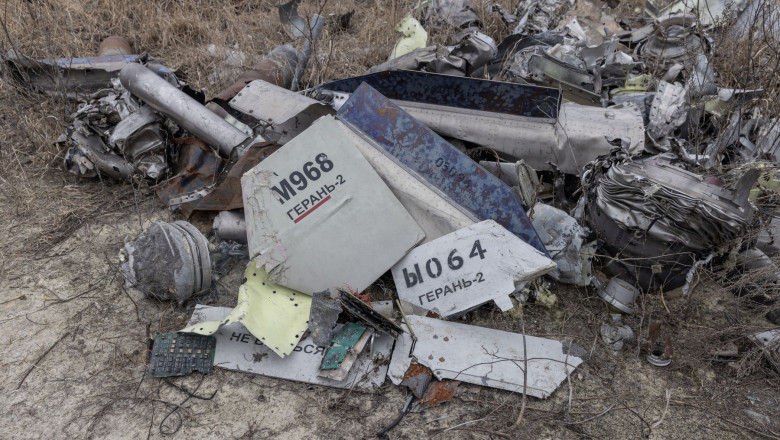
(673,41)
(482,356)
(768,140)
(325,311)
(414,60)
(669,110)
(457,13)
(539,15)
(540,67)
(519,176)
(765,12)
(88,155)
(437,161)
(276,315)
(661,218)
(563,237)
(203,183)
(142,141)
(199,168)
(114,135)
(474,51)
(513,44)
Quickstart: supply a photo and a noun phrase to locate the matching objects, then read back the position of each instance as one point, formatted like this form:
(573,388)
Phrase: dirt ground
(73,339)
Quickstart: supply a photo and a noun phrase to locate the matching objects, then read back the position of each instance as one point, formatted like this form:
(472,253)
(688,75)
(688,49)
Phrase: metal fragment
(358,308)
(618,293)
(325,311)
(181,108)
(564,239)
(469,267)
(437,161)
(482,356)
(311,197)
(230,226)
(168,261)
(276,315)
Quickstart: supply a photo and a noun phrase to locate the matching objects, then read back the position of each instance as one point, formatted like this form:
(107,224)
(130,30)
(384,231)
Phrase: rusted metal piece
(659,349)
(417,378)
(437,393)
(204,182)
(227,193)
(277,68)
(429,392)
(114,45)
(199,167)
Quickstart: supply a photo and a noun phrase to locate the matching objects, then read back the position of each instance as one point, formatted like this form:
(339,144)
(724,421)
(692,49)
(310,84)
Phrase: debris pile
(615,137)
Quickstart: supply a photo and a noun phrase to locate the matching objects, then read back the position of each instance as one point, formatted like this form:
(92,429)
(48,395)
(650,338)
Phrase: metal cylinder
(231,226)
(318,22)
(182,109)
(278,68)
(620,294)
(114,45)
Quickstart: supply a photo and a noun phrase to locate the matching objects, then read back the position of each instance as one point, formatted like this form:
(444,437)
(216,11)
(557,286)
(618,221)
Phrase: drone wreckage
(590,131)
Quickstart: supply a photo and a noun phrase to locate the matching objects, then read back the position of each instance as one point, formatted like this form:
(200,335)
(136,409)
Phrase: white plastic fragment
(482,356)
(466,268)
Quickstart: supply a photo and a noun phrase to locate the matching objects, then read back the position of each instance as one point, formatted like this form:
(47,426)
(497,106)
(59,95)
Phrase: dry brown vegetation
(73,338)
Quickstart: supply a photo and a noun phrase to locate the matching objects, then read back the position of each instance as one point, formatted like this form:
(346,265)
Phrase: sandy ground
(72,339)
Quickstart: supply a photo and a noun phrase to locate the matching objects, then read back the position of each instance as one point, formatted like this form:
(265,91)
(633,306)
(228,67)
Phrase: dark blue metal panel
(453,91)
(436,160)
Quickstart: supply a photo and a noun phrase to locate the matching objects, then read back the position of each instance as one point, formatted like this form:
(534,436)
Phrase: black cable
(190,394)
(383,433)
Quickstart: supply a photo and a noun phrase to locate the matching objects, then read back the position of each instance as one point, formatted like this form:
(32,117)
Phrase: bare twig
(40,358)
(663,414)
(525,370)
(592,418)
